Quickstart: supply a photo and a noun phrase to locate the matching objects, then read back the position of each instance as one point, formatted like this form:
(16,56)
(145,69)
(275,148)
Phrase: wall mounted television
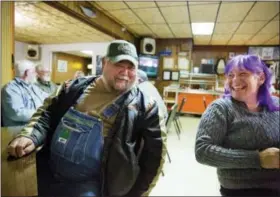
(149,64)
(207,68)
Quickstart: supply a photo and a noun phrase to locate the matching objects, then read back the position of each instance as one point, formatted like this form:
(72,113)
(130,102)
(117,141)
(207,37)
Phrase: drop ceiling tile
(203,13)
(112,5)
(150,15)
(277,18)
(250,27)
(170,4)
(237,43)
(220,39)
(218,42)
(271,28)
(126,17)
(263,11)
(201,3)
(137,5)
(260,39)
(202,40)
(175,14)
(165,35)
(161,30)
(273,41)
(226,28)
(233,11)
(140,29)
(238,39)
(181,30)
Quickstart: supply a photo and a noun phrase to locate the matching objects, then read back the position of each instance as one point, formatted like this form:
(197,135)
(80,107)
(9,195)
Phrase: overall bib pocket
(70,140)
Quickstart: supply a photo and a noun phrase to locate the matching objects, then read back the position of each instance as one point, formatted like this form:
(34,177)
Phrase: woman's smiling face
(243,84)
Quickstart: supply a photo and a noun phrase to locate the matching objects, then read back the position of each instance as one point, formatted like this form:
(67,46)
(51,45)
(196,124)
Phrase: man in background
(44,80)
(20,97)
(79,74)
(148,88)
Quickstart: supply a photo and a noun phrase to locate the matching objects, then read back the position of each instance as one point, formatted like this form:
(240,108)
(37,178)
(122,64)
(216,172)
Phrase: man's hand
(20,146)
(270,158)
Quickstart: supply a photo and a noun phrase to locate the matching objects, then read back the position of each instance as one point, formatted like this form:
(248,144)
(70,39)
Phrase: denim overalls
(76,151)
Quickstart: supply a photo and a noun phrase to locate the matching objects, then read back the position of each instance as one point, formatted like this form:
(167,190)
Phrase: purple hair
(255,65)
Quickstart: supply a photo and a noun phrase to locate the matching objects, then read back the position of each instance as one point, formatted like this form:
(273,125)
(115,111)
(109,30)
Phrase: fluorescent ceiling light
(18,16)
(21,20)
(89,66)
(87,52)
(202,28)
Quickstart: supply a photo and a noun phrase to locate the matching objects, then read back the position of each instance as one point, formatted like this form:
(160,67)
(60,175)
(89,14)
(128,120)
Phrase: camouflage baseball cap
(119,50)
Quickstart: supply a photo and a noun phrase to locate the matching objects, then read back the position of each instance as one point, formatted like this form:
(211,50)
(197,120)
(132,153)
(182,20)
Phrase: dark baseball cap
(119,50)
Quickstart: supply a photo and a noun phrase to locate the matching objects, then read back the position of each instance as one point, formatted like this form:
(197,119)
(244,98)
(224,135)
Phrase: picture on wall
(175,76)
(166,75)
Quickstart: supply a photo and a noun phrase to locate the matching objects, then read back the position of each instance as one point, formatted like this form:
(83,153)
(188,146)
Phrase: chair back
(204,102)
(171,116)
(182,104)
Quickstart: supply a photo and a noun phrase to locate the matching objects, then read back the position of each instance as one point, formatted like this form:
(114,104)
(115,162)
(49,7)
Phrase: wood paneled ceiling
(37,22)
(236,23)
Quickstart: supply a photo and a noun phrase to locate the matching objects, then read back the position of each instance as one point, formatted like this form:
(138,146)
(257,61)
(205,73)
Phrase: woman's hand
(270,158)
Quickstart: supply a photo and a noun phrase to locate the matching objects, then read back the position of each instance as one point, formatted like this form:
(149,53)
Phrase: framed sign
(183,63)
(168,63)
(62,66)
(175,76)
(265,52)
(166,75)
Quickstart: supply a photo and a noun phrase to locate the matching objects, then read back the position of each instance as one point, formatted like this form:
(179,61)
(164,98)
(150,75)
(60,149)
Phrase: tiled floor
(184,176)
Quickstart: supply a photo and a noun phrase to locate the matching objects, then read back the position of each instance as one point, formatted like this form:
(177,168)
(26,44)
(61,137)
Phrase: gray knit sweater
(229,138)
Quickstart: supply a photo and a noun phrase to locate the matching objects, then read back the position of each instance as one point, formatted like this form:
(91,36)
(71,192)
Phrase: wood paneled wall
(198,53)
(7,41)
(175,46)
(215,52)
(74,62)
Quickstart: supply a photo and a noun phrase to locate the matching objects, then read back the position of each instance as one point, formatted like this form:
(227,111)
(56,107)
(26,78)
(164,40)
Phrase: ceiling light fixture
(202,28)
(87,52)
(22,20)
(18,17)
(88,12)
(89,66)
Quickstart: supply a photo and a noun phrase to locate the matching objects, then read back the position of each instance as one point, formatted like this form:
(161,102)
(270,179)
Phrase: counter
(19,177)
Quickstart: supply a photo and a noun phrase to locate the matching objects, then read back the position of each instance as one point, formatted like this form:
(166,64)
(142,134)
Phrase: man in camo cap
(120,65)
(102,135)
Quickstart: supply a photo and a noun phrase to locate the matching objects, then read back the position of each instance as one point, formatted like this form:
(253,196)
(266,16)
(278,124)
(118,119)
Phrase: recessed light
(87,52)
(202,28)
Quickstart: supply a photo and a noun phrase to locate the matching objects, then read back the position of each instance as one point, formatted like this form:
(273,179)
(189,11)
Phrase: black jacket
(134,150)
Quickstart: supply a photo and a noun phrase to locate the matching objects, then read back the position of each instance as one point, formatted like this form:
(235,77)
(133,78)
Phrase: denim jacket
(19,101)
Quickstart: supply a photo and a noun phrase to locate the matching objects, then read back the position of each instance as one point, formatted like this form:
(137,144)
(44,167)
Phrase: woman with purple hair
(239,133)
